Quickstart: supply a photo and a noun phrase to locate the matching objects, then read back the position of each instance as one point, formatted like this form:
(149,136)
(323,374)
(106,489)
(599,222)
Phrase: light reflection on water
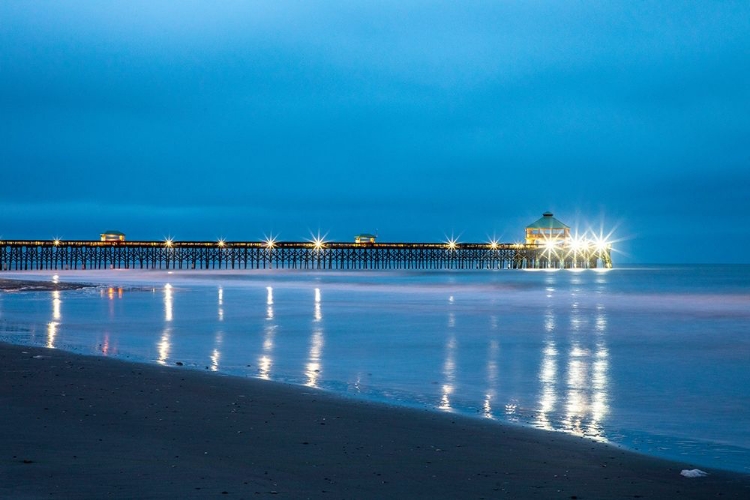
(572,382)
(51,333)
(56,318)
(266,359)
(587,399)
(492,375)
(56,306)
(541,355)
(219,336)
(449,364)
(314,363)
(220,311)
(168,306)
(164,345)
(449,373)
(216,353)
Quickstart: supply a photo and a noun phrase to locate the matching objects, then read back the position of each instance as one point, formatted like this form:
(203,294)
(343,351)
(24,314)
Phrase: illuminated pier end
(549,245)
(546,229)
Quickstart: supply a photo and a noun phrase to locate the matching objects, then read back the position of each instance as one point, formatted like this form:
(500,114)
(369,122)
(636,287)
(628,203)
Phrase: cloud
(405,115)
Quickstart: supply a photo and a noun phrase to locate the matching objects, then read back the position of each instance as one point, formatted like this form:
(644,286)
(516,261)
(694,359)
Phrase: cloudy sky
(419,120)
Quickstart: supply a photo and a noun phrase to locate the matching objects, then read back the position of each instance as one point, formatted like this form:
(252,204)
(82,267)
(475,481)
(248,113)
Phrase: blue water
(655,359)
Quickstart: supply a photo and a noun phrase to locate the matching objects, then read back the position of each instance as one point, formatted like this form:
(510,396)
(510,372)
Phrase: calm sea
(655,359)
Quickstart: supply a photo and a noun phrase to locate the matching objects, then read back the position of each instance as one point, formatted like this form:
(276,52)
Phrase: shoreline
(19,285)
(88,427)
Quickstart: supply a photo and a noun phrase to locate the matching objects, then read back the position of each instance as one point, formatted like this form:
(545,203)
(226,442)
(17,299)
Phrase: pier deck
(20,255)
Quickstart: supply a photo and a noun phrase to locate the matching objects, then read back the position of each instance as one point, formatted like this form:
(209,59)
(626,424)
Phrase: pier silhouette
(18,255)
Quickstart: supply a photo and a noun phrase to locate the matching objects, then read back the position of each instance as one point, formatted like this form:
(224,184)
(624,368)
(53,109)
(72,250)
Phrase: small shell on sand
(693,473)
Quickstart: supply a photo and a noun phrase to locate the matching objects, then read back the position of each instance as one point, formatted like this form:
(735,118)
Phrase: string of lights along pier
(548,245)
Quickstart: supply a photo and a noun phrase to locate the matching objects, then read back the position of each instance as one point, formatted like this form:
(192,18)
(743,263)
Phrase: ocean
(654,359)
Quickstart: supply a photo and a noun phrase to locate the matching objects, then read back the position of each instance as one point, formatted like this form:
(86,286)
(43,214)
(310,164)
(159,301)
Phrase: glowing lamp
(577,244)
(601,244)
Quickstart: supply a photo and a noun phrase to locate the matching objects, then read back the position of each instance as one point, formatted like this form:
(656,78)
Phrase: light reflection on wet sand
(548,373)
(216,353)
(586,404)
(449,364)
(164,345)
(269,331)
(543,354)
(580,385)
(314,365)
(493,352)
(215,356)
(572,376)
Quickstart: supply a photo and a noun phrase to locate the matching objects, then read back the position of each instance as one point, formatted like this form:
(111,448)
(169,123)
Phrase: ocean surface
(654,359)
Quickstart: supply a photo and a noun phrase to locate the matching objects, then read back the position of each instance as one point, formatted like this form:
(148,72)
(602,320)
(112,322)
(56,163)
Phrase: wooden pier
(62,255)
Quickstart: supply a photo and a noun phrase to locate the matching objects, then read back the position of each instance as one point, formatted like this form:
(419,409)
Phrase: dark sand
(90,427)
(7,285)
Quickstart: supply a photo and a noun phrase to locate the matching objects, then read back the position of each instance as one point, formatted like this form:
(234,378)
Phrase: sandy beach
(91,427)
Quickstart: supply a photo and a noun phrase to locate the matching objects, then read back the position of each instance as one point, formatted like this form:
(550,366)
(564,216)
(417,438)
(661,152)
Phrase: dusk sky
(418,120)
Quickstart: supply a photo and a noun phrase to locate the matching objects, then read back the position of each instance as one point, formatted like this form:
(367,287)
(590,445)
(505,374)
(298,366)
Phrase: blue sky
(201,120)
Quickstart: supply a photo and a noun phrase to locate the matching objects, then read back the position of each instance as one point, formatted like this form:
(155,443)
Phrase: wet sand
(90,427)
(13,285)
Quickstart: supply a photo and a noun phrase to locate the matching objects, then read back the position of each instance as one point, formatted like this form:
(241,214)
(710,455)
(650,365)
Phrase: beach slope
(90,427)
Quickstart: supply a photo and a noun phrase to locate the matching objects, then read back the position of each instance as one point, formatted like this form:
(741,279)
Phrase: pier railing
(60,255)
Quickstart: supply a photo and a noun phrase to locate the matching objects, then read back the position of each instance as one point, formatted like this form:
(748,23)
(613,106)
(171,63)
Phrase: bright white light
(221,242)
(577,244)
(168,242)
(57,241)
(270,242)
(318,242)
(493,244)
(452,244)
(601,244)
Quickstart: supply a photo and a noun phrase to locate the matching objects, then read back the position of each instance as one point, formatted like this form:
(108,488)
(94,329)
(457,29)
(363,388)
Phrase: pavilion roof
(547,221)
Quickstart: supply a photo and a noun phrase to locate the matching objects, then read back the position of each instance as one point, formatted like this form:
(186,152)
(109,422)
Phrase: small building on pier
(112,235)
(547,229)
(365,238)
